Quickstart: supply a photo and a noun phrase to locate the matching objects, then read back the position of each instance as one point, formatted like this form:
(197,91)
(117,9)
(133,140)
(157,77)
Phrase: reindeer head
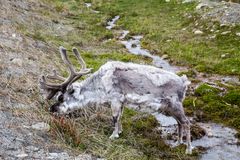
(65,90)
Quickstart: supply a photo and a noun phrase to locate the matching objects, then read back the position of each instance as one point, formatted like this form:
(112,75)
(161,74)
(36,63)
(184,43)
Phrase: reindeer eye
(60,98)
(71,91)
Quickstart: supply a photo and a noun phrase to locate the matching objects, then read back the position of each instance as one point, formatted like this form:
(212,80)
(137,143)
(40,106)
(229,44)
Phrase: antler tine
(50,90)
(56,76)
(80,59)
(65,59)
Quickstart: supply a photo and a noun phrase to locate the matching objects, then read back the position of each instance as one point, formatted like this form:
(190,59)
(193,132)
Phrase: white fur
(118,84)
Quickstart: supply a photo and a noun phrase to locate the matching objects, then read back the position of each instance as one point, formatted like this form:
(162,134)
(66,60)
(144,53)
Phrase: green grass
(160,22)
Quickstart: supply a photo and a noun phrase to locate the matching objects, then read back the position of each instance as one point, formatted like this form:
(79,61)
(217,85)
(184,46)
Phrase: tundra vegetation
(168,30)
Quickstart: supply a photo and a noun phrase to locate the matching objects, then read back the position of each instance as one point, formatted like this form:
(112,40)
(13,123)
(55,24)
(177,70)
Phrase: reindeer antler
(52,88)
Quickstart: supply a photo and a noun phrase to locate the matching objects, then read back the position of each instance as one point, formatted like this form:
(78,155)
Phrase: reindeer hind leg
(183,123)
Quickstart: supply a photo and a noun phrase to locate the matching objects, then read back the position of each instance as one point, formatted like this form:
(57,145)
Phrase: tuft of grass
(140,139)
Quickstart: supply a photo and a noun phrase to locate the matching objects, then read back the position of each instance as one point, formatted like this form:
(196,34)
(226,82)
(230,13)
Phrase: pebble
(17,61)
(41,126)
(198,32)
(223,55)
(212,37)
(23,155)
(238,34)
(201,5)
(83,157)
(165,56)
(223,25)
(187,1)
(226,32)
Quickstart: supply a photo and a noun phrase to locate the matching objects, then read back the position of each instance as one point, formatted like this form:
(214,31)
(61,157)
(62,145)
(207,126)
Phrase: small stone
(212,37)
(165,56)
(238,34)
(167,0)
(201,5)
(198,32)
(83,157)
(17,61)
(61,155)
(23,155)
(14,35)
(134,45)
(225,33)
(223,55)
(41,126)
(187,1)
(223,25)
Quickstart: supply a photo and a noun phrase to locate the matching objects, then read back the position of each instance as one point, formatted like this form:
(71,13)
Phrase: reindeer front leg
(116,107)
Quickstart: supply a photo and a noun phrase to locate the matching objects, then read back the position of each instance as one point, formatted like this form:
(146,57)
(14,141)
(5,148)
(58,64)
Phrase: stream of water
(220,141)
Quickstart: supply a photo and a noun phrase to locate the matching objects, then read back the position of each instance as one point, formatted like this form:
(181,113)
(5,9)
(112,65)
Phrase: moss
(190,73)
(233,97)
(216,105)
(205,89)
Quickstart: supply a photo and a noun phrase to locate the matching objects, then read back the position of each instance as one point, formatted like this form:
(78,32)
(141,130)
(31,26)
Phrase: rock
(231,80)
(169,40)
(238,34)
(165,56)
(197,132)
(167,0)
(17,61)
(187,1)
(223,25)
(201,5)
(41,126)
(22,155)
(198,32)
(61,155)
(83,157)
(225,33)
(209,131)
(14,35)
(223,55)
(134,45)
(184,29)
(213,36)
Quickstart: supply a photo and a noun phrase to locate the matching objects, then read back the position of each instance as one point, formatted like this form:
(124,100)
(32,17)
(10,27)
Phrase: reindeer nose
(54,108)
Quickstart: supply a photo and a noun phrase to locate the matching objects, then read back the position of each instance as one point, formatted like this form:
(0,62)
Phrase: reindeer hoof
(114,136)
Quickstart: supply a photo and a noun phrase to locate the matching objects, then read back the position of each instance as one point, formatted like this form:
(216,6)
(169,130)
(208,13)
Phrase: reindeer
(117,84)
